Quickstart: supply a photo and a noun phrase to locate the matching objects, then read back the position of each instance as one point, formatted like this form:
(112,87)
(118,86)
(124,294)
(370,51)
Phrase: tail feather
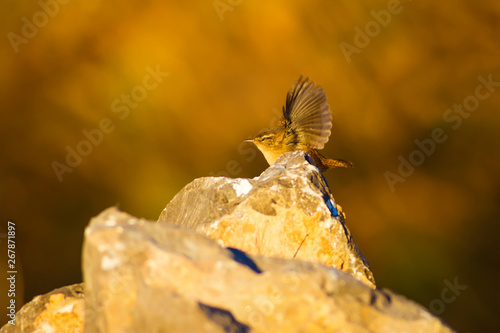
(334,163)
(324,163)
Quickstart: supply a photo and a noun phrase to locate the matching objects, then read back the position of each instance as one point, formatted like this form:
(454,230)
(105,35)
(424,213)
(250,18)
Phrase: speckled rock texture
(61,310)
(286,212)
(154,277)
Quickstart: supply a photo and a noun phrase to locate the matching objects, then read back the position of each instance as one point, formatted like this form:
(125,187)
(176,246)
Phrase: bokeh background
(230,64)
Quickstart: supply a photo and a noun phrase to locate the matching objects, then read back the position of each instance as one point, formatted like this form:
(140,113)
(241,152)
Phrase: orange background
(229,71)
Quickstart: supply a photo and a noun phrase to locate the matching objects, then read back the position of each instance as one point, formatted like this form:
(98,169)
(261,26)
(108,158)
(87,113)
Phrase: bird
(305,125)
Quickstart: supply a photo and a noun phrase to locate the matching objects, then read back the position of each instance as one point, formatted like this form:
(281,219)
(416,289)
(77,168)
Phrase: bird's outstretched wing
(307,113)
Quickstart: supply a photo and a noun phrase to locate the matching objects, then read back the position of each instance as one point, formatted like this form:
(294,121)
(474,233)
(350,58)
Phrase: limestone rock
(61,310)
(269,254)
(155,277)
(287,212)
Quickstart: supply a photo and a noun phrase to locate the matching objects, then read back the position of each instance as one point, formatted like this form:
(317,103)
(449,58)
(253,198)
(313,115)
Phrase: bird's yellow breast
(271,155)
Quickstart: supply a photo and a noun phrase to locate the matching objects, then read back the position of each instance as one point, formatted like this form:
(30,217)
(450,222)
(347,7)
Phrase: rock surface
(155,277)
(269,254)
(61,310)
(286,212)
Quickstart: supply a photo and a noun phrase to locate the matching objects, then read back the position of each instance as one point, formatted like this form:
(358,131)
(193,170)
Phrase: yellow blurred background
(151,95)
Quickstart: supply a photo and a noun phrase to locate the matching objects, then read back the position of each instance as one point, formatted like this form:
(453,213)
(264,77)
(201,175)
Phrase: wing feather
(307,112)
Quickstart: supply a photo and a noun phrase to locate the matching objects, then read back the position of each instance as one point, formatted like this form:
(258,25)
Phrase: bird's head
(272,143)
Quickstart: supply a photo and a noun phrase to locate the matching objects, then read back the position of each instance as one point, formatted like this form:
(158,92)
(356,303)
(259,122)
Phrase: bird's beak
(248,140)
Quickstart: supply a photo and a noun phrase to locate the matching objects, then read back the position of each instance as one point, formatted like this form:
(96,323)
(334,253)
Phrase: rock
(269,254)
(287,212)
(154,277)
(61,310)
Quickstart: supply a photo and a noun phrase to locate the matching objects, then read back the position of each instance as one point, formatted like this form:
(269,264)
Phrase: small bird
(305,125)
